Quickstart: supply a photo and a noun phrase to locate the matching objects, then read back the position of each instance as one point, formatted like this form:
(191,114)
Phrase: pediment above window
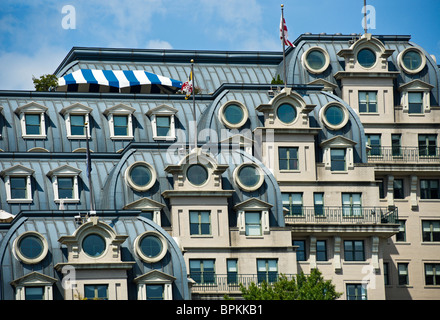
(31,107)
(338,142)
(76,108)
(119,109)
(17,170)
(144,204)
(416,85)
(162,110)
(64,170)
(34,279)
(252,204)
(155,276)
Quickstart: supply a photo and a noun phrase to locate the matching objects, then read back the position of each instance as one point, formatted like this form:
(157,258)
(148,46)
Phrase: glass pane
(140,175)
(18,187)
(94,245)
(366,58)
(31,247)
(412,60)
(151,246)
(65,188)
(32,123)
(286,113)
(334,115)
(163,126)
(233,114)
(249,176)
(34,293)
(77,120)
(155,292)
(205,217)
(316,59)
(197,174)
(120,125)
(101,291)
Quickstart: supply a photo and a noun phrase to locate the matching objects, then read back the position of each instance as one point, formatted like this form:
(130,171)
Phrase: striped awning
(128,81)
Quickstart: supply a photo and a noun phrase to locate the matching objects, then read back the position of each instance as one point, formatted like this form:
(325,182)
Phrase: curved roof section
(52,227)
(297,74)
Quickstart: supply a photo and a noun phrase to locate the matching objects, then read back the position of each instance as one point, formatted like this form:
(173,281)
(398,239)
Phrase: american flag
(284,27)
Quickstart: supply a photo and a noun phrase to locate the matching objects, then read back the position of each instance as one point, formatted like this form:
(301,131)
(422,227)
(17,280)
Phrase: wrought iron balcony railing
(342,215)
(404,155)
(230,283)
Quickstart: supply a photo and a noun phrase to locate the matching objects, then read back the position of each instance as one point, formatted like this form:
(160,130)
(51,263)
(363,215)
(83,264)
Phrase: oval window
(151,246)
(412,60)
(93,245)
(366,58)
(316,59)
(334,115)
(197,174)
(286,113)
(233,114)
(249,177)
(31,247)
(140,176)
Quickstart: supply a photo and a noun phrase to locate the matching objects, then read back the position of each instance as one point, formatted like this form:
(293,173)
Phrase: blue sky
(34,38)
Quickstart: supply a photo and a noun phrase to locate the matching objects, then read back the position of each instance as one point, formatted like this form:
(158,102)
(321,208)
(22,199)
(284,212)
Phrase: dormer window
(76,116)
(412,60)
(32,120)
(286,113)
(415,97)
(120,120)
(65,184)
(334,116)
(197,174)
(163,122)
(233,114)
(338,154)
(18,184)
(366,58)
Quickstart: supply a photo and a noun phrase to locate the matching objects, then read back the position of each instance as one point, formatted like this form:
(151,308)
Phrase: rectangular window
(34,293)
(402,270)
(293,202)
(398,189)
(337,157)
(65,188)
(373,141)
(301,250)
(120,125)
(202,271)
(33,124)
(354,250)
(431,230)
(401,235)
(428,145)
(318,203)
(288,158)
(429,189)
(267,270)
(352,204)
(18,187)
(321,250)
(163,125)
(356,292)
(200,222)
(380,183)
(96,291)
(415,102)
(232,271)
(432,274)
(386,273)
(368,101)
(396,145)
(77,125)
(253,223)
(155,291)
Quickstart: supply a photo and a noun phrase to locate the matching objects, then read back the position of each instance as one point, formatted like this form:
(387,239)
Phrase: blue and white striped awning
(134,81)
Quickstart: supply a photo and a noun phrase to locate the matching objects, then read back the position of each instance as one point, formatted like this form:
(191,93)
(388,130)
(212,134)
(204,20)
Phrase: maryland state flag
(187,86)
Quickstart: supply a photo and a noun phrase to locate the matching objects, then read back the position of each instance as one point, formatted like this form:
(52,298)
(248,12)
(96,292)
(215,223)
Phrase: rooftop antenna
(365,16)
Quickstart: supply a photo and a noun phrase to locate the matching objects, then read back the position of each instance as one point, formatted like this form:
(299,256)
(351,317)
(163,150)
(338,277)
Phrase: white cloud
(158,44)
(18,68)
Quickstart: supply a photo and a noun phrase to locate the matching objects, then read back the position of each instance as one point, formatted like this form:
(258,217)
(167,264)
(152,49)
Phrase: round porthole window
(316,60)
(233,114)
(412,60)
(151,246)
(94,245)
(366,58)
(334,116)
(140,176)
(249,176)
(286,113)
(31,247)
(197,174)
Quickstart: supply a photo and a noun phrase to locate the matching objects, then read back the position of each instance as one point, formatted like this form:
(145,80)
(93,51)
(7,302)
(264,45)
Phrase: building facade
(244,181)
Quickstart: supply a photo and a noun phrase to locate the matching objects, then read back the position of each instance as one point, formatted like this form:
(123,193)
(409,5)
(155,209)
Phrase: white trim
(133,185)
(226,122)
(141,255)
(306,64)
(76,109)
(18,171)
(120,110)
(402,65)
(68,172)
(21,257)
(241,185)
(324,118)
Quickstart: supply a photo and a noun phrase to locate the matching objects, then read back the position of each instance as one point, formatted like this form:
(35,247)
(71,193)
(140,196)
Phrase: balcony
(404,155)
(344,215)
(230,283)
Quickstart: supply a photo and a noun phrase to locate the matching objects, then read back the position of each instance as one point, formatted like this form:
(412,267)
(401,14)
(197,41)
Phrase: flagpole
(89,169)
(194,102)
(365,16)
(284,45)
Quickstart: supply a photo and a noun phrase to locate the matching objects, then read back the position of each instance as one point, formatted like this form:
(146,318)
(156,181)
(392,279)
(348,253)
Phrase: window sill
(164,138)
(77,137)
(27,136)
(66,200)
(121,137)
(19,200)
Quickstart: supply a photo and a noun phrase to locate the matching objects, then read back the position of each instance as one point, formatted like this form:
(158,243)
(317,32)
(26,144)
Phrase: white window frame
(68,172)
(155,277)
(163,111)
(32,108)
(338,142)
(34,279)
(253,205)
(21,172)
(120,110)
(416,86)
(77,109)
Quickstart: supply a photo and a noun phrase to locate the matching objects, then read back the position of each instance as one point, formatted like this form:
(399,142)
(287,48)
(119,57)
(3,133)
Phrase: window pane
(31,247)
(151,246)
(77,125)
(366,58)
(301,250)
(18,187)
(315,59)
(65,188)
(120,125)
(93,245)
(334,115)
(155,292)
(286,113)
(233,114)
(337,159)
(249,176)
(163,125)
(32,123)
(34,293)
(197,174)
(412,60)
